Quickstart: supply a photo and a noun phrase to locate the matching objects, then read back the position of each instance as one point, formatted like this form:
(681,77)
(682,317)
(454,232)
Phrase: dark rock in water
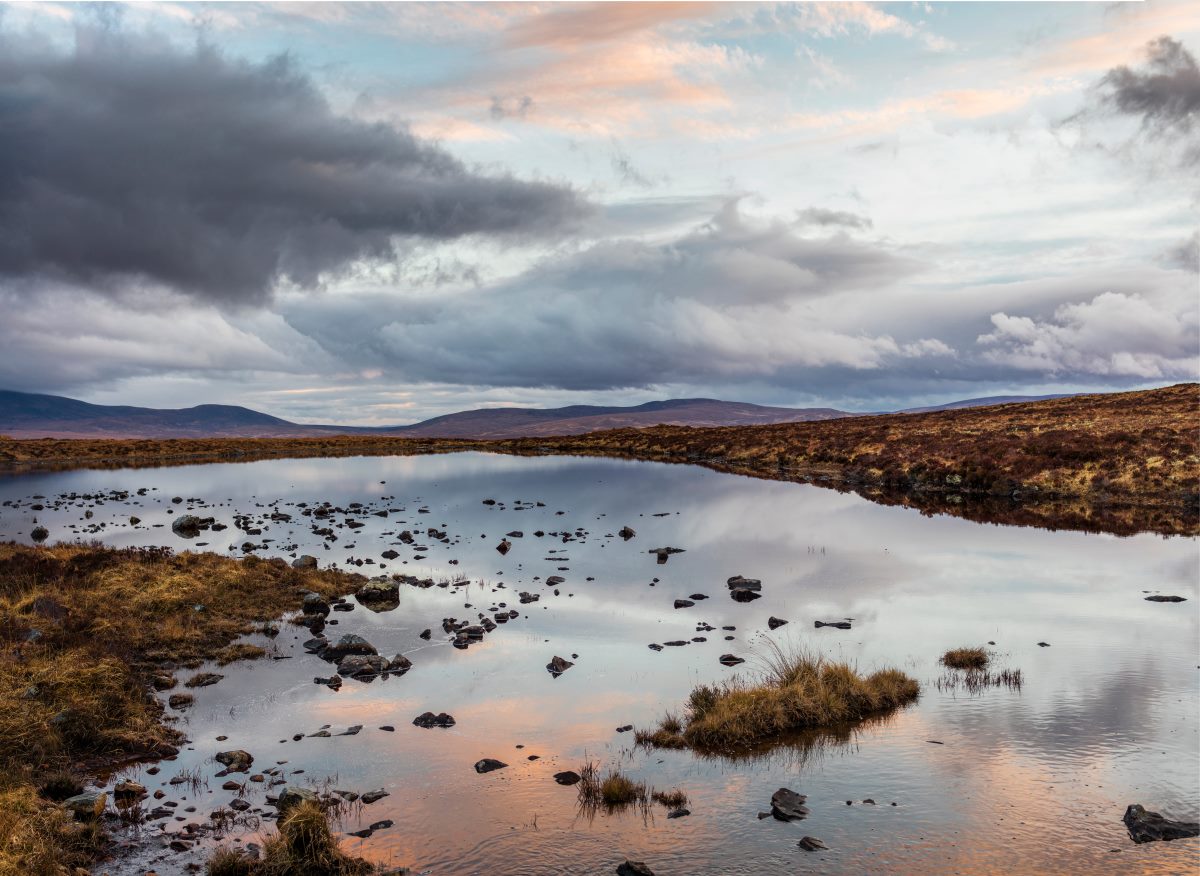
(516,533)
(372,796)
(526,598)
(684,603)
(334,681)
(744,589)
(1147,827)
(399,665)
(180,700)
(390,554)
(634,868)
(558,666)
(429,719)
(236,761)
(203,679)
(316,645)
(362,666)
(189,525)
(740,594)
(654,646)
(379,590)
(291,795)
(840,625)
(347,645)
(1160,598)
(555,580)
(1043,644)
(304,561)
(427,634)
(626,532)
(361,834)
(811,844)
(678,643)
(39,534)
(787,805)
(697,596)
(730,660)
(315,603)
(681,812)
(775,623)
(488,764)
(568,777)
(504,547)
(663,552)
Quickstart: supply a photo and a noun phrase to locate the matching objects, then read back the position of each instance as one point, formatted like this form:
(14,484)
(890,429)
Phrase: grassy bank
(1118,462)
(798,692)
(85,632)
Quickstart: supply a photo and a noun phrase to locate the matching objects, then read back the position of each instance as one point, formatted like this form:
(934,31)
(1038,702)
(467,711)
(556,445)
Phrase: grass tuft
(966,658)
(798,692)
(304,846)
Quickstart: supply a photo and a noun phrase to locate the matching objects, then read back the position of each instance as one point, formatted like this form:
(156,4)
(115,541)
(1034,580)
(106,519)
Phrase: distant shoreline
(1116,462)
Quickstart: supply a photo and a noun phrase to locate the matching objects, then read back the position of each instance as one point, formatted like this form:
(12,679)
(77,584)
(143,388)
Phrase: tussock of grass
(304,846)
(798,692)
(673,799)
(966,658)
(612,792)
(239,651)
(83,629)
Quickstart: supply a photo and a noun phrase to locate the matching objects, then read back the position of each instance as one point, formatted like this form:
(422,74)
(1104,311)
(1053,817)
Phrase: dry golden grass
(83,629)
(303,846)
(673,799)
(798,692)
(1117,462)
(966,658)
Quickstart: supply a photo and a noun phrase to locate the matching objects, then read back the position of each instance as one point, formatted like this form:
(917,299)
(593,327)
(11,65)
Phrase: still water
(1033,780)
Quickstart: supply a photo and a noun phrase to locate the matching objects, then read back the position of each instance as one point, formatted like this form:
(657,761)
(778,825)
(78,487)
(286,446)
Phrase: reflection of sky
(1107,715)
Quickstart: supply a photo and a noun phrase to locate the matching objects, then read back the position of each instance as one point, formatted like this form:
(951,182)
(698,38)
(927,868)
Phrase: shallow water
(1034,780)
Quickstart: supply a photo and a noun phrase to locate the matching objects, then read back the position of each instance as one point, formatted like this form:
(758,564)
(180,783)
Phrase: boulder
(504,547)
(429,719)
(86,806)
(741,594)
(362,666)
(634,868)
(684,603)
(775,623)
(128,793)
(626,532)
(1148,827)
(235,761)
(811,844)
(347,645)
(379,590)
(315,603)
(399,665)
(189,525)
(787,805)
(568,777)
(488,764)
(1158,597)
(304,561)
(729,660)
(373,796)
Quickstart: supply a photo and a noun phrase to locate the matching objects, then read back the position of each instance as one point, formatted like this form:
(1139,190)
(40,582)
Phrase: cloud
(1113,335)
(130,161)
(1165,93)
(823,217)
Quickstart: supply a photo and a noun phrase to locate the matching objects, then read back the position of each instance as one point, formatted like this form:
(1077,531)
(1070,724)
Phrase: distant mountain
(27,415)
(984,402)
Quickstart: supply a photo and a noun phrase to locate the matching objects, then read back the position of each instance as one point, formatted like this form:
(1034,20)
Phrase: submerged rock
(568,777)
(488,764)
(1147,827)
(1158,597)
(811,844)
(840,625)
(787,805)
(558,666)
(730,660)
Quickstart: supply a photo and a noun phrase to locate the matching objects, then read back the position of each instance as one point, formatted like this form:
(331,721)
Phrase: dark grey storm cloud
(1165,92)
(128,159)
(821,216)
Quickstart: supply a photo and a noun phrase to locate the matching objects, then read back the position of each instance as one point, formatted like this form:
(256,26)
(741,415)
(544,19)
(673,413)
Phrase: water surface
(1034,780)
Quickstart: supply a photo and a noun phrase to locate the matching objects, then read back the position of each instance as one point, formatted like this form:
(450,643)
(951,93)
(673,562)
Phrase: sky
(377,213)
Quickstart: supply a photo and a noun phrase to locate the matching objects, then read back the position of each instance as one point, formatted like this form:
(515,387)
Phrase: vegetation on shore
(1118,462)
(798,692)
(85,632)
(303,846)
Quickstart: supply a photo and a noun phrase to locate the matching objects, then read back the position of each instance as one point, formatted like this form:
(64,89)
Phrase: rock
(373,796)
(488,764)
(390,554)
(239,805)
(1043,644)
(741,594)
(189,525)
(681,812)
(743,589)
(626,532)
(775,623)
(787,805)
(663,552)
(315,603)
(558,666)
(346,645)
(379,594)
(729,660)
(86,806)
(1161,598)
(291,795)
(811,844)
(180,700)
(128,793)
(429,719)
(399,665)
(634,868)
(427,634)
(840,625)
(235,761)
(362,666)
(39,534)
(684,603)
(568,777)
(1146,827)
(504,547)
(304,561)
